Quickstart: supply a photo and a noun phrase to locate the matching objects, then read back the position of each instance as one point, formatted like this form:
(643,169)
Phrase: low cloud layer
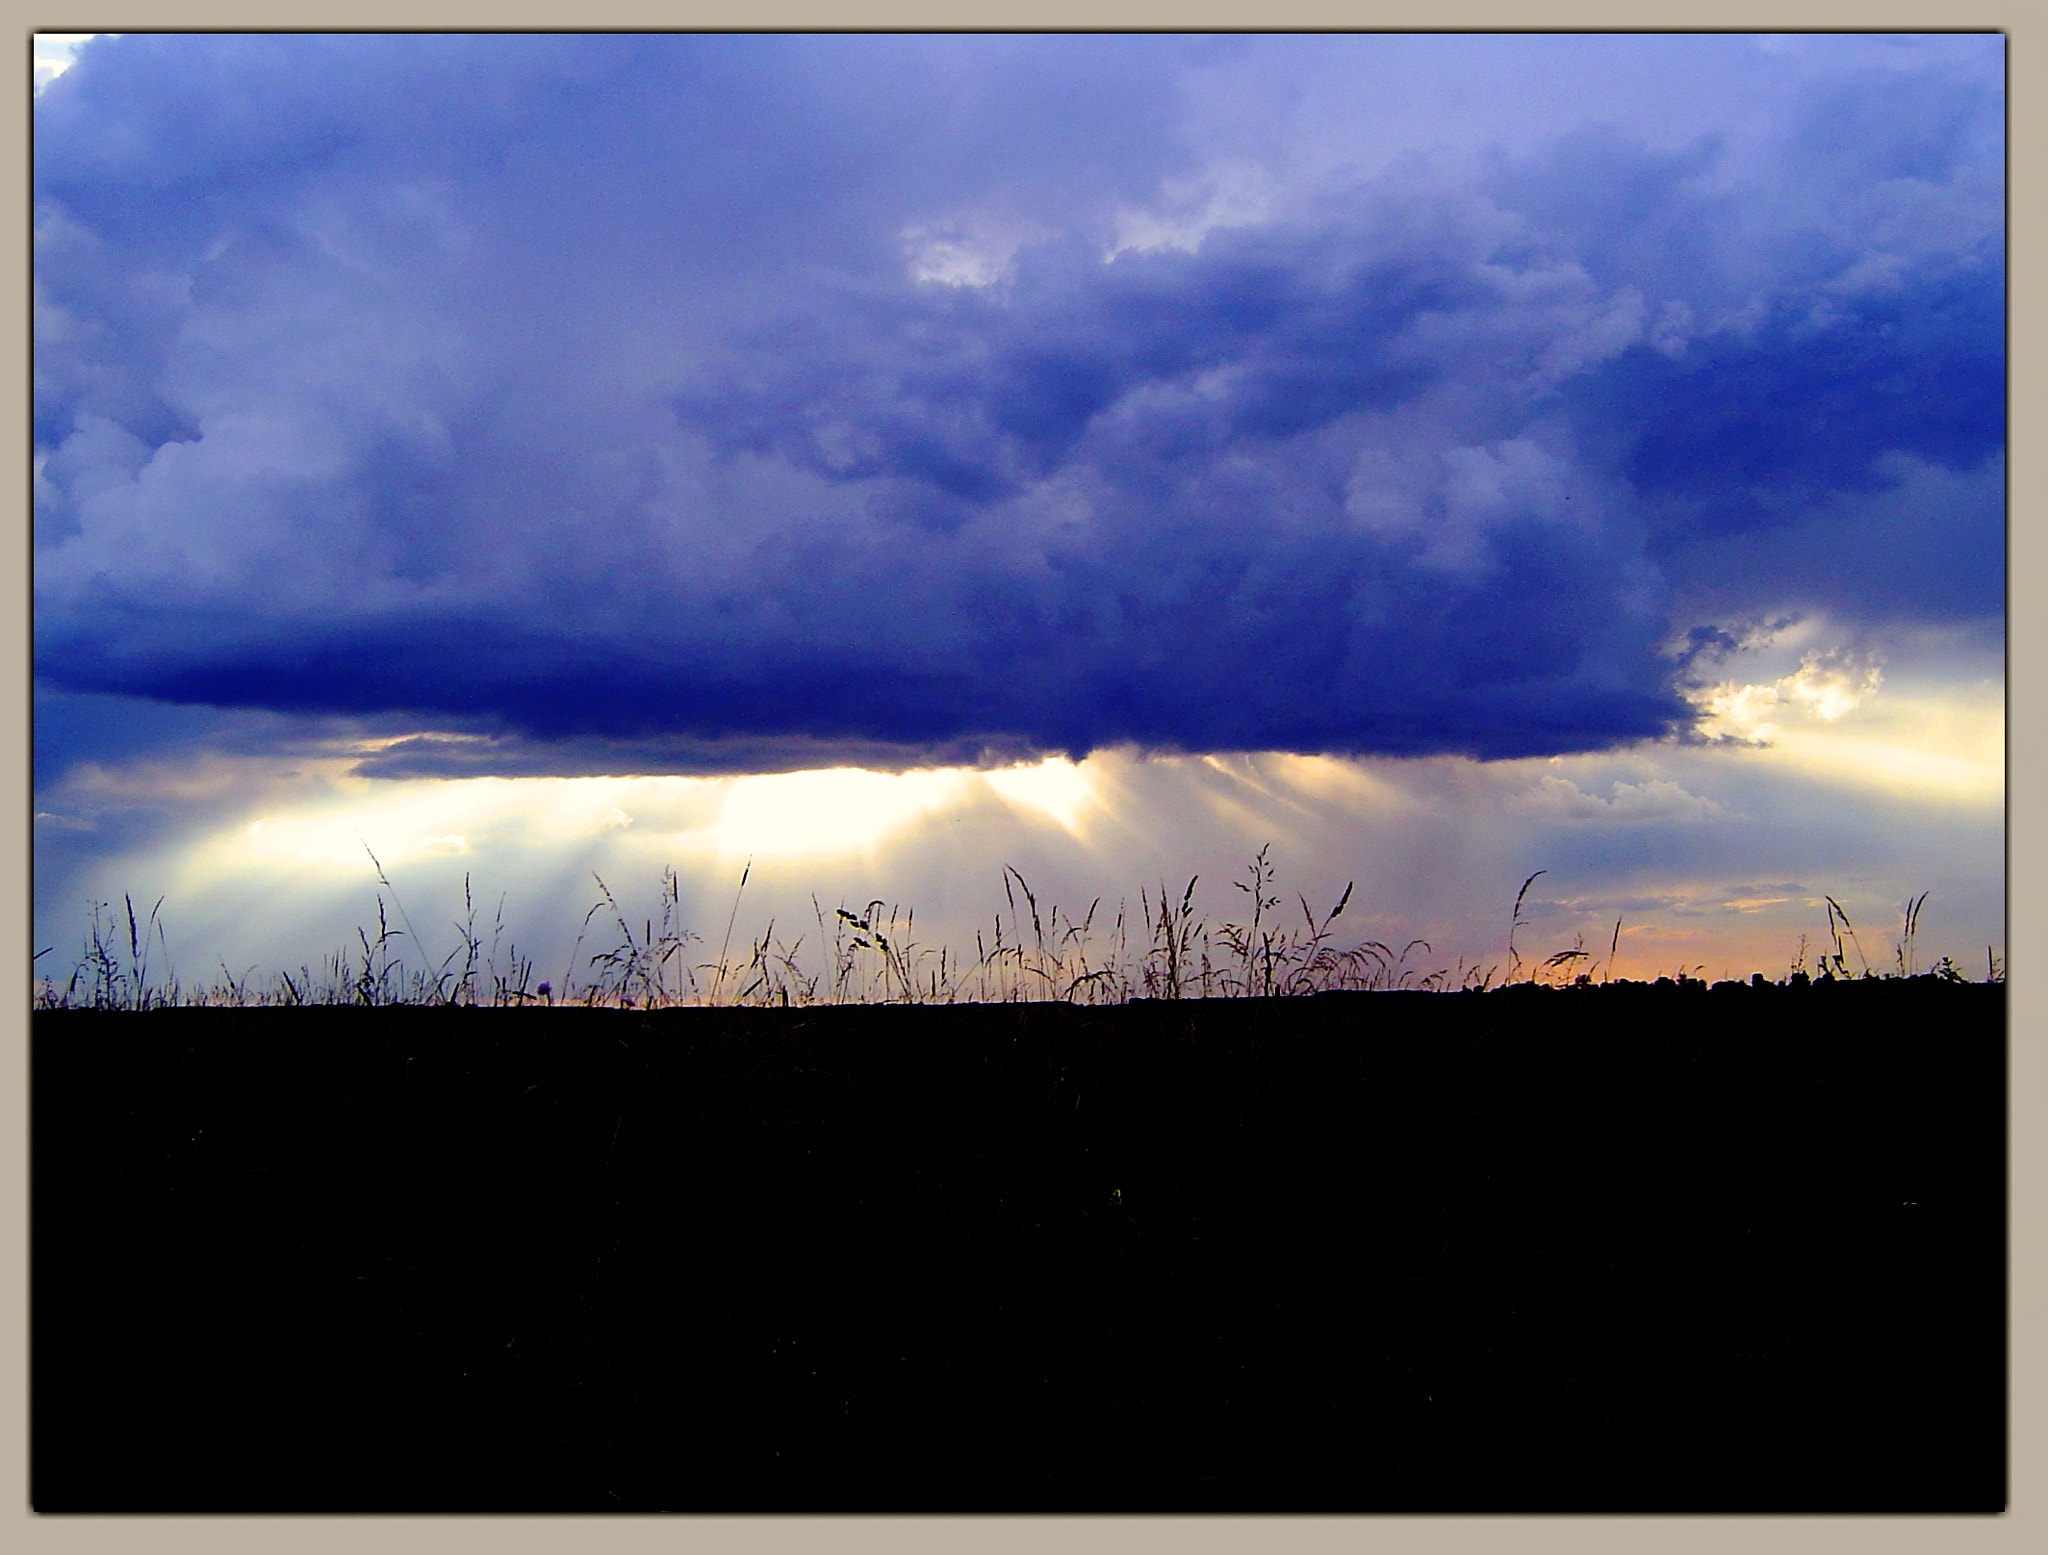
(652,403)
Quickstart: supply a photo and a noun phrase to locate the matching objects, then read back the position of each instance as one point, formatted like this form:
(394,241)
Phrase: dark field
(1623,1249)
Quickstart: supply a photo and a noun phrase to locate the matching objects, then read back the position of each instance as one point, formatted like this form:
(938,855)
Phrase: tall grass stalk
(1515,922)
(1837,965)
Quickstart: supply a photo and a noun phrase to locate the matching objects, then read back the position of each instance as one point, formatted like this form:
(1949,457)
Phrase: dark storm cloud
(628,396)
(1741,432)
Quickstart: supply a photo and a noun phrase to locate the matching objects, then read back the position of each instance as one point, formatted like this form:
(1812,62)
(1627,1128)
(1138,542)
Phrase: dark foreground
(1617,1250)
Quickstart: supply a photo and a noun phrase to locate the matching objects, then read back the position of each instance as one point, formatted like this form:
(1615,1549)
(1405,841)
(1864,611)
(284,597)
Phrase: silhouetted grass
(1030,953)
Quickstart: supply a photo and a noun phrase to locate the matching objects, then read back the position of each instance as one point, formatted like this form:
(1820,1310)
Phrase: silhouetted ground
(1630,1249)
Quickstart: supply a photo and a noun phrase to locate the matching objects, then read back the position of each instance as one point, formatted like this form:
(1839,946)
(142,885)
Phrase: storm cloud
(664,396)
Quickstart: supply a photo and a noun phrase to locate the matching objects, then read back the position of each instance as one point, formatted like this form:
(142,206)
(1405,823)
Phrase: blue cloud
(945,394)
(1877,127)
(1807,403)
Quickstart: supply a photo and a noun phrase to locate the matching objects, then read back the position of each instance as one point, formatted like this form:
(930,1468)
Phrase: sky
(886,459)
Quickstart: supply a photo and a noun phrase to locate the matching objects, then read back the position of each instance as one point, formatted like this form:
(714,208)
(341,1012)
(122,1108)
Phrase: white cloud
(1828,685)
(957,257)
(1657,799)
(54,52)
(1231,192)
